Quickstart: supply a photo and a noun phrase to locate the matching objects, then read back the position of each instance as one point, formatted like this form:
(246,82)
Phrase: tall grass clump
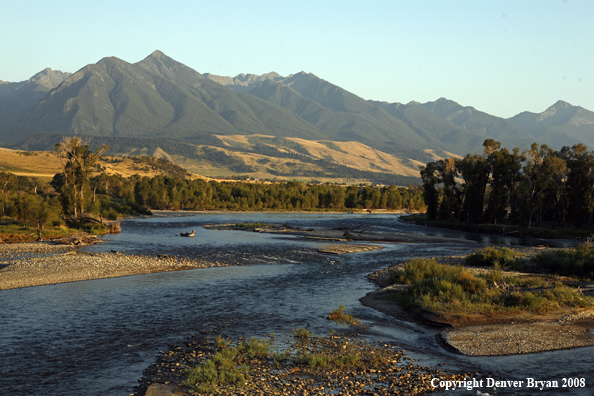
(340,316)
(491,255)
(253,348)
(222,369)
(578,261)
(416,270)
(434,284)
(226,366)
(454,289)
(301,334)
(428,275)
(547,300)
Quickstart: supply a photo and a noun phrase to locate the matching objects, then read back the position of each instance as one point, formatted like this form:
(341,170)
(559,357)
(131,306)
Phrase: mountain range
(160,99)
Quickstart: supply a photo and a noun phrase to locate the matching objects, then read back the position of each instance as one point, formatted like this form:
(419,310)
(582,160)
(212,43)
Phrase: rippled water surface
(96,337)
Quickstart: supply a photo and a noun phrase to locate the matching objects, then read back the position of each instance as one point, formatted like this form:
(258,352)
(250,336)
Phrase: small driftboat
(187,234)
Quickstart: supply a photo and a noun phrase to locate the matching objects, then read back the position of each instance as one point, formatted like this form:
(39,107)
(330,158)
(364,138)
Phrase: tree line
(538,186)
(76,192)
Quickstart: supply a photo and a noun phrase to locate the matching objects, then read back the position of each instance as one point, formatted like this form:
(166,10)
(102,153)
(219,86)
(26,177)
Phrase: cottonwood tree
(579,184)
(431,177)
(450,203)
(77,163)
(7,183)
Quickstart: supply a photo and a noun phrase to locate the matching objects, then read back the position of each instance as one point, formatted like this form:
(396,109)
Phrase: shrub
(221,369)
(221,342)
(417,269)
(491,255)
(450,289)
(301,333)
(255,348)
(578,261)
(340,316)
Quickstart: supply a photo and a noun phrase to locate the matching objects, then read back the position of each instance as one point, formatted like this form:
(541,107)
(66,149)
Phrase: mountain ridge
(161,98)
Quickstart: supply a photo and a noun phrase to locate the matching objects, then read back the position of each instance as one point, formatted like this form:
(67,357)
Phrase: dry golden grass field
(45,165)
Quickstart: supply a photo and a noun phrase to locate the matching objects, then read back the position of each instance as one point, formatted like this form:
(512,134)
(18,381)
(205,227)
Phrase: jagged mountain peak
(559,107)
(258,77)
(303,74)
(562,104)
(167,67)
(110,61)
(49,78)
(159,96)
(44,72)
(157,54)
(560,124)
(158,57)
(244,82)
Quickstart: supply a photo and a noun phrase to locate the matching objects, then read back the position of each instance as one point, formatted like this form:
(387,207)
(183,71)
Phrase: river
(96,337)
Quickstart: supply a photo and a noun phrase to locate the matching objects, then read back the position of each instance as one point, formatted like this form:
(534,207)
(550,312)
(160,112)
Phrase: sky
(501,57)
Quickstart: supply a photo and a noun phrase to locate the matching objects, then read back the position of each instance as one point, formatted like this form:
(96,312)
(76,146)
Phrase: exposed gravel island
(42,263)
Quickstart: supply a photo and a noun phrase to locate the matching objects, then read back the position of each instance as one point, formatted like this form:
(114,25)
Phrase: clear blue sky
(502,57)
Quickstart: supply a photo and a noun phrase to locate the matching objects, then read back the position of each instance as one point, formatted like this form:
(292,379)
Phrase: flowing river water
(96,337)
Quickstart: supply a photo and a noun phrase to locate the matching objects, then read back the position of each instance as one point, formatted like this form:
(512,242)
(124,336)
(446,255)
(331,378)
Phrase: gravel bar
(36,264)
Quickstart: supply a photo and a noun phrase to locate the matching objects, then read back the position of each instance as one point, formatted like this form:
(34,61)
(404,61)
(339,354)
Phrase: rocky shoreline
(373,369)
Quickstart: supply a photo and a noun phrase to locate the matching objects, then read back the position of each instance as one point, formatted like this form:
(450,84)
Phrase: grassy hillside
(44,165)
(260,156)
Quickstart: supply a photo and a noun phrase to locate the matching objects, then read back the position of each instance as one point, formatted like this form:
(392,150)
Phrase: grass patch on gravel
(12,232)
(455,290)
(297,366)
(489,256)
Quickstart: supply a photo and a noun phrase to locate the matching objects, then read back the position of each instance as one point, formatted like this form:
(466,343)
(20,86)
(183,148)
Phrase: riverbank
(541,232)
(43,263)
(494,335)
(292,363)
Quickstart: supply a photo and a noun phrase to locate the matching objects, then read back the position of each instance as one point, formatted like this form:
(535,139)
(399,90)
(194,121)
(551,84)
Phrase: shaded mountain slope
(155,97)
(562,124)
(15,98)
(486,125)
(340,114)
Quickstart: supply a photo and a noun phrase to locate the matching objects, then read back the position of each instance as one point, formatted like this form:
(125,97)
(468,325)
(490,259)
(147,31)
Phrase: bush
(301,333)
(448,289)
(491,255)
(254,348)
(340,316)
(417,269)
(221,369)
(578,261)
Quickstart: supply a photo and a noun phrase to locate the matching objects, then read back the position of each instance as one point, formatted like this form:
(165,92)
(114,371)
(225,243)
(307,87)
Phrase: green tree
(475,171)
(430,176)
(77,163)
(7,184)
(580,184)
(448,171)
